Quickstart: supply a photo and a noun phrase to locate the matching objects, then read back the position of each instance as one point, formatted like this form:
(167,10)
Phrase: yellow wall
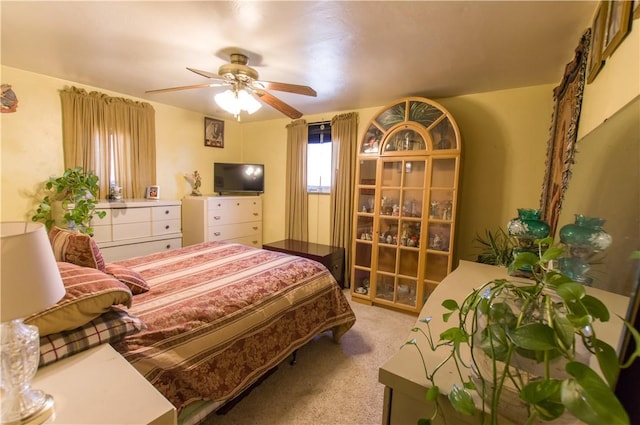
(31,144)
(617,83)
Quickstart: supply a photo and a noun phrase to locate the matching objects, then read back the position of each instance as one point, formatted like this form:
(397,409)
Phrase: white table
(99,386)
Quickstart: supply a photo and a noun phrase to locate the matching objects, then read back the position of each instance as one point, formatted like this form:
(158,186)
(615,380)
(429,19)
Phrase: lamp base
(20,353)
(39,416)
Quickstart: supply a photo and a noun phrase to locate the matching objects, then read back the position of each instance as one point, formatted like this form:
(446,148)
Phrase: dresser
(134,227)
(403,374)
(222,218)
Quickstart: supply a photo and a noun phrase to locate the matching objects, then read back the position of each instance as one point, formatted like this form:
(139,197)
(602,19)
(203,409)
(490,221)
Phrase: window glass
(319,167)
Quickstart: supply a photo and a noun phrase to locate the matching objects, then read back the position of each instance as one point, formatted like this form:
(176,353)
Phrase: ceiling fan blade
(276,103)
(291,88)
(207,74)
(195,86)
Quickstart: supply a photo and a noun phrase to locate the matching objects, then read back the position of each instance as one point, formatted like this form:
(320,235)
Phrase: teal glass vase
(527,227)
(583,238)
(586,232)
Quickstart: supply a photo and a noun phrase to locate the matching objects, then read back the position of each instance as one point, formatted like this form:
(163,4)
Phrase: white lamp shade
(30,279)
(236,101)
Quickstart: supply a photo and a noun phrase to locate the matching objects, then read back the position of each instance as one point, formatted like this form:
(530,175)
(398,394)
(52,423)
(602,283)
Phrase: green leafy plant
(496,248)
(511,328)
(76,191)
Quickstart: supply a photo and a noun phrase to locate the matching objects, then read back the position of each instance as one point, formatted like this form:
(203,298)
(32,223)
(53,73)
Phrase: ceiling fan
(241,77)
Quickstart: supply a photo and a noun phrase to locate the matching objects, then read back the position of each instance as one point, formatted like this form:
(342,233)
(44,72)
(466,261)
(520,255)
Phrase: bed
(201,323)
(219,316)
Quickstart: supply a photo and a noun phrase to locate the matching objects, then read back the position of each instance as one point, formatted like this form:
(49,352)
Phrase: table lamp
(30,282)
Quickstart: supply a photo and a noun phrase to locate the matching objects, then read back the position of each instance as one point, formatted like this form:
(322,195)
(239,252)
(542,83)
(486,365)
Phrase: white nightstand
(99,386)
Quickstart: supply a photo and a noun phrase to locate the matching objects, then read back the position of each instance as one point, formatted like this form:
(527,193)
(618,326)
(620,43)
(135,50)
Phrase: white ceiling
(354,54)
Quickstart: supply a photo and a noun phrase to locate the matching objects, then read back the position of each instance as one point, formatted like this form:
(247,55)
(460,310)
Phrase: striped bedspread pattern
(220,315)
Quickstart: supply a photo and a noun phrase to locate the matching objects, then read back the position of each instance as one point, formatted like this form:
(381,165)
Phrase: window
(319,158)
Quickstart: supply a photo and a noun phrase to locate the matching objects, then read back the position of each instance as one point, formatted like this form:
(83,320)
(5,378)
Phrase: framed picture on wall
(618,18)
(597,35)
(152,192)
(213,132)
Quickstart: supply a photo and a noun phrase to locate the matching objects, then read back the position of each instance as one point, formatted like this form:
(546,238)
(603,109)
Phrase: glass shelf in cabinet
(406,291)
(361,279)
(385,286)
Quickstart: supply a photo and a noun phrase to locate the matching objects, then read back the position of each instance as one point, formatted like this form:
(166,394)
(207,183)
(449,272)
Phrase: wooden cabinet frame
(407,180)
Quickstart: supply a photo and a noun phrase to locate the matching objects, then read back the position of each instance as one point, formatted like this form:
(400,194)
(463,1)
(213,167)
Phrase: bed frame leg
(294,356)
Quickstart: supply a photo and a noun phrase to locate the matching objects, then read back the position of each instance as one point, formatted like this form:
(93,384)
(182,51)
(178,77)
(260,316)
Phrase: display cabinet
(406,200)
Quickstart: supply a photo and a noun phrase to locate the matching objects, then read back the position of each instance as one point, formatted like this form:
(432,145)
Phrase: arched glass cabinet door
(406,202)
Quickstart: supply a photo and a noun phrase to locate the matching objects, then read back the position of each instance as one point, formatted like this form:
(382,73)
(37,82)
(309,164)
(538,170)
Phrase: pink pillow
(76,248)
(129,277)
(89,293)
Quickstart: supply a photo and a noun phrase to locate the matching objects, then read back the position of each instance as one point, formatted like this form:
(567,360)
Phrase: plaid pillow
(109,327)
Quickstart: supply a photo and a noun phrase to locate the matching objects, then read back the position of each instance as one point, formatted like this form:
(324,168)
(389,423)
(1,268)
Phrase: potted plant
(75,192)
(530,346)
(496,248)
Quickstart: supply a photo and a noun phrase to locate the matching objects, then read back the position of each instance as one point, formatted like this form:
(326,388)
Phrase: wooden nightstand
(332,257)
(99,386)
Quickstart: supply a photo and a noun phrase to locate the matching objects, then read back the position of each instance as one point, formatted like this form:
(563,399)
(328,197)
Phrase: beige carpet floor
(331,383)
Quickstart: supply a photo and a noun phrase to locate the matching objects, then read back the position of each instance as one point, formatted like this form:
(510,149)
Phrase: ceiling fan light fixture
(236,101)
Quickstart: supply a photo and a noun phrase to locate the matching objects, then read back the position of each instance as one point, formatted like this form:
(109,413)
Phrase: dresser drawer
(131,230)
(171,212)
(122,252)
(232,231)
(164,227)
(233,215)
(130,215)
(102,233)
(225,211)
(254,241)
(104,221)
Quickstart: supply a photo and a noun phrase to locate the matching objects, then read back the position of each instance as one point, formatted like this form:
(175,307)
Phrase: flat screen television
(238,178)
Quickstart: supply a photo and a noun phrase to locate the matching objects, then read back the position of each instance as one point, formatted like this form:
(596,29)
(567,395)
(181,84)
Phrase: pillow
(109,327)
(89,294)
(134,281)
(76,248)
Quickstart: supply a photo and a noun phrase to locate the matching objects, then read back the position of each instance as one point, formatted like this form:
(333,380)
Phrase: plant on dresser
(531,345)
(75,192)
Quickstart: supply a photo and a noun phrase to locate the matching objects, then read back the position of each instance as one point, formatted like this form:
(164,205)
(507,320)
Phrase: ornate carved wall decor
(563,134)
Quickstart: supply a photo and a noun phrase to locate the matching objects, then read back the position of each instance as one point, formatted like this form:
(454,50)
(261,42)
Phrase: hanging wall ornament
(9,99)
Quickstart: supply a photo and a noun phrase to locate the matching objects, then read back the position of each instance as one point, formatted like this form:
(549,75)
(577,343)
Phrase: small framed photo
(152,192)
(213,132)
(618,19)
(597,35)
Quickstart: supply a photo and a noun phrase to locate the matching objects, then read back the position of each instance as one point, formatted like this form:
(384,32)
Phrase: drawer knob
(217,233)
(167,227)
(216,217)
(166,212)
(238,204)
(168,246)
(255,227)
(255,213)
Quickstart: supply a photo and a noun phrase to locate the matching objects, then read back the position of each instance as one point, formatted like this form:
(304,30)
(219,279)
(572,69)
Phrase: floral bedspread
(221,315)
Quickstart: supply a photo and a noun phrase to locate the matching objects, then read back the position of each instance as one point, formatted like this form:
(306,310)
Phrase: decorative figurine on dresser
(406,197)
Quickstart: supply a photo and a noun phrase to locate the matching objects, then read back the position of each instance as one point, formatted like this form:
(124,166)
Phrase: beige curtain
(344,136)
(98,129)
(296,203)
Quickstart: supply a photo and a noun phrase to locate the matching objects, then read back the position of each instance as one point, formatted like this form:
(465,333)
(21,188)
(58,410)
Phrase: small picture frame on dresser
(152,192)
